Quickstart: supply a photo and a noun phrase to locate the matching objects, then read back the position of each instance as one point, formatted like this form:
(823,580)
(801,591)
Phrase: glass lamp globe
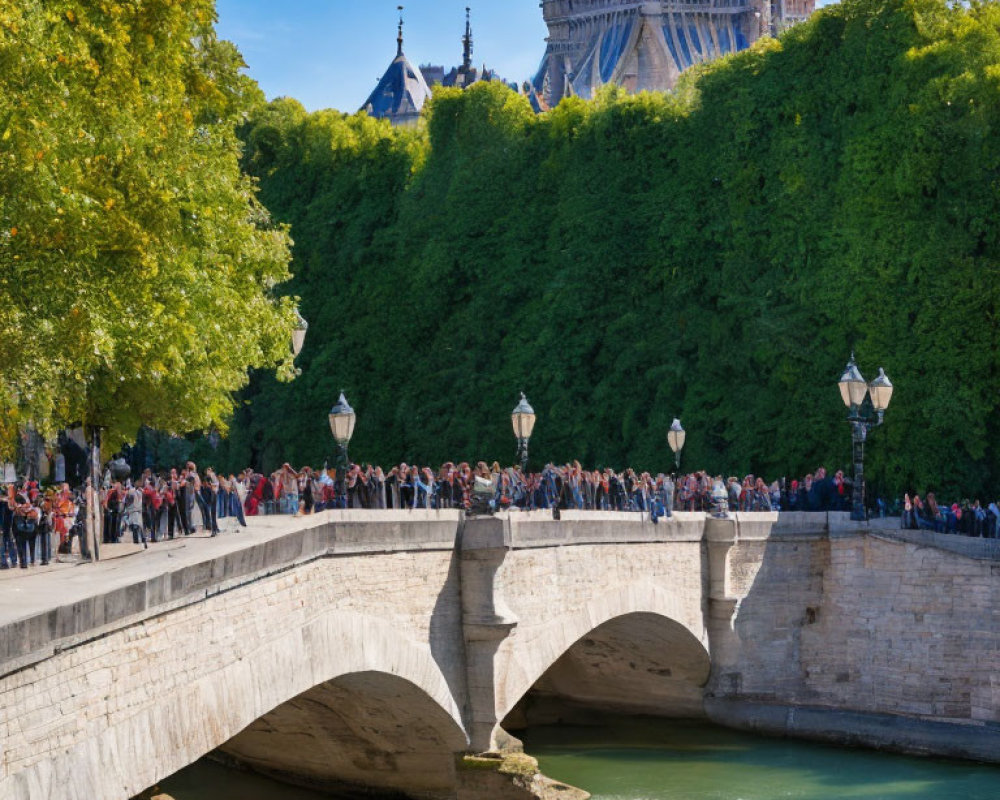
(342,420)
(676,436)
(299,333)
(523,419)
(852,386)
(881,391)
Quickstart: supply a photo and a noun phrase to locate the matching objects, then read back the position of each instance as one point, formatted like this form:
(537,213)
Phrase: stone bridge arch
(638,634)
(358,733)
(534,589)
(146,700)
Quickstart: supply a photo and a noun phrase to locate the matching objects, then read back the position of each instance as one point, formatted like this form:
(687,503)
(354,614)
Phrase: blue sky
(331,53)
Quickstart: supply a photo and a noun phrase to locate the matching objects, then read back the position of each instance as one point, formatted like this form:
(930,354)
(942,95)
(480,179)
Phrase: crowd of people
(181,501)
(969,518)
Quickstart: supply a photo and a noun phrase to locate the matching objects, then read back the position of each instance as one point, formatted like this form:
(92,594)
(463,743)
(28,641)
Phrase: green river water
(647,759)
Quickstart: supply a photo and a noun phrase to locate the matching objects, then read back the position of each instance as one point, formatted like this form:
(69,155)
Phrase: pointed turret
(402,91)
(467,41)
(399,37)
(465,75)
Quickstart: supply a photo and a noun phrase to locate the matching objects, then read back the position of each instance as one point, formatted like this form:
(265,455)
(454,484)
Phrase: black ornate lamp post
(342,420)
(866,403)
(299,333)
(523,420)
(675,438)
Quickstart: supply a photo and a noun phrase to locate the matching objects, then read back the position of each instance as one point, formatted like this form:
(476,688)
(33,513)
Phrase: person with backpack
(26,519)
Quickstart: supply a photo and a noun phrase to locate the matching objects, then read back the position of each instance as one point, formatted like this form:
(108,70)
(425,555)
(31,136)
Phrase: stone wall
(901,640)
(112,716)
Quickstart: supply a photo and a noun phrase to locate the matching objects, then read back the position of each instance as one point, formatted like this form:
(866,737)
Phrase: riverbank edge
(969,741)
(508,775)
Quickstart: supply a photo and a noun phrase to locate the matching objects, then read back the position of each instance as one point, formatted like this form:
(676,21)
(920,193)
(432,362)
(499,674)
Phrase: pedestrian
(26,517)
(133,515)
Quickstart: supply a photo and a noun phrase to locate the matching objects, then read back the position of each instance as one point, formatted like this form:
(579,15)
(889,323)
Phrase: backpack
(24,525)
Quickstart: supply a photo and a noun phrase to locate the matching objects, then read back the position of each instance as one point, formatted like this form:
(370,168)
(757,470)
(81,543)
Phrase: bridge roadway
(368,648)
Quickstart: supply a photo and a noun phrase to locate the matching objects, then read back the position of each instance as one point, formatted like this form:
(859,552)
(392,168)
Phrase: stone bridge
(367,649)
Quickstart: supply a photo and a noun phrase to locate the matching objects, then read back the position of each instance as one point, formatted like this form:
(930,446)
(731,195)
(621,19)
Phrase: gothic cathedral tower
(646,45)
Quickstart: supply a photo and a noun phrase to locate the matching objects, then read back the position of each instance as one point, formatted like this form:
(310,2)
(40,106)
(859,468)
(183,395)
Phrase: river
(649,759)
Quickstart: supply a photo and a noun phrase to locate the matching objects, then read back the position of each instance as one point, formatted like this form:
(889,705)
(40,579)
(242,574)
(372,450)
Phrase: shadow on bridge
(641,663)
(367,731)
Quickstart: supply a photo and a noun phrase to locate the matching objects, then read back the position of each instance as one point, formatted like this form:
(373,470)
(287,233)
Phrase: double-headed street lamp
(675,438)
(523,420)
(342,421)
(866,403)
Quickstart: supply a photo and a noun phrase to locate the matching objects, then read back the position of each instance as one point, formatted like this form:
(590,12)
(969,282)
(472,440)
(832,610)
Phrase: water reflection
(649,759)
(645,759)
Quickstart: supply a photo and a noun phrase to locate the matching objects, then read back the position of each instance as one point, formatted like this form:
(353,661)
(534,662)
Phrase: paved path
(25,593)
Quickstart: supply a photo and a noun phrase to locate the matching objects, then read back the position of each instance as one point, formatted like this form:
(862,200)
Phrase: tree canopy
(137,268)
(715,254)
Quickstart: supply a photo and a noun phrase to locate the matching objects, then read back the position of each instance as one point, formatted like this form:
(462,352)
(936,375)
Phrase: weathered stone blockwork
(866,624)
(363,626)
(110,717)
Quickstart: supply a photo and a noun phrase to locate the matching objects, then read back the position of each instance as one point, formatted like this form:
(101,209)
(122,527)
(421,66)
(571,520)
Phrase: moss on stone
(519,764)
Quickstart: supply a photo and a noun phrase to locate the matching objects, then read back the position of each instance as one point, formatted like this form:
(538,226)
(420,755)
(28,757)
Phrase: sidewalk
(28,592)
(61,562)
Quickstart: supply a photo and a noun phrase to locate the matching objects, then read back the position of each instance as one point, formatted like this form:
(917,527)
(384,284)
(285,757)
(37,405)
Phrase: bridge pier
(721,606)
(486,623)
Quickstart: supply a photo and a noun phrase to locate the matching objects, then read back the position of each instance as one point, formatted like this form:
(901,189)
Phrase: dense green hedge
(713,254)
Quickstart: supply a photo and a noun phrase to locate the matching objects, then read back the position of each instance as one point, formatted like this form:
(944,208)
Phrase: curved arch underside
(638,662)
(366,729)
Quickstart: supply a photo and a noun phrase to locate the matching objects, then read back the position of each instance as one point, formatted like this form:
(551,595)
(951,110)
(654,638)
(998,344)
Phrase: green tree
(137,267)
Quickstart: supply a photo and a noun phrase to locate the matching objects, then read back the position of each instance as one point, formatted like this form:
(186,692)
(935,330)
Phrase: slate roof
(401,93)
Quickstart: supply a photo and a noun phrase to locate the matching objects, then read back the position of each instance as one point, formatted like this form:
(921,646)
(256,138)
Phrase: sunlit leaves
(138,266)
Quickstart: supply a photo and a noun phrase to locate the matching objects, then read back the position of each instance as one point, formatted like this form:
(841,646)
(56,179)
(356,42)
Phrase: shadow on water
(207,780)
(653,759)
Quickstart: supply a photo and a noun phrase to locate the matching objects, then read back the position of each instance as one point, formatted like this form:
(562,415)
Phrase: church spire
(467,42)
(399,38)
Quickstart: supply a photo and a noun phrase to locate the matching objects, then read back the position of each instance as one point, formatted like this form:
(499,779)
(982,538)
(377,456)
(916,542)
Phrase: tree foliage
(137,267)
(715,254)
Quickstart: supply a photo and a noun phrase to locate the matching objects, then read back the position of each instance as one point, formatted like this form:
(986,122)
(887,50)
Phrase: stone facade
(875,626)
(371,649)
(646,45)
(110,716)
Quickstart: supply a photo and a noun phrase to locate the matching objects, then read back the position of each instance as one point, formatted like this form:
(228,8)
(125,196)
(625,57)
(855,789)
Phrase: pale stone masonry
(646,44)
(366,648)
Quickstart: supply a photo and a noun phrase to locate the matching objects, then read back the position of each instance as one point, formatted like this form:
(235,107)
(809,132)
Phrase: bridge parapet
(95,599)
